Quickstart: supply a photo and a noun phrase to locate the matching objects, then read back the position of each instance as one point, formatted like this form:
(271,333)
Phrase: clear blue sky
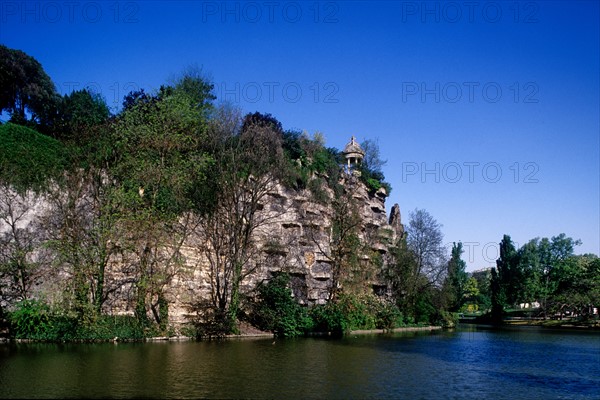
(487,112)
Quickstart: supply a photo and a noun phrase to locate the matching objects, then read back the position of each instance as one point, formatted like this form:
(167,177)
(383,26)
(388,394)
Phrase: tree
(25,88)
(28,159)
(344,244)
(372,167)
(420,265)
(245,169)
(457,277)
(575,288)
(79,111)
(277,311)
(553,260)
(262,120)
(506,280)
(81,225)
(372,160)
(401,274)
(541,264)
(424,239)
(136,97)
(22,257)
(472,290)
(159,162)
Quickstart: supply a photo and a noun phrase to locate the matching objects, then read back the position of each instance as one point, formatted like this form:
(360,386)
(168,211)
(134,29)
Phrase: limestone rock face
(297,239)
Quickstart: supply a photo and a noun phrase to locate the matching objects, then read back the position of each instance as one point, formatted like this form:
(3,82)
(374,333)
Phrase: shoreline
(244,336)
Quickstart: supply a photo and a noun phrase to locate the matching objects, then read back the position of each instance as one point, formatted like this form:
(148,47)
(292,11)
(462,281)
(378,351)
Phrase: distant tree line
(547,272)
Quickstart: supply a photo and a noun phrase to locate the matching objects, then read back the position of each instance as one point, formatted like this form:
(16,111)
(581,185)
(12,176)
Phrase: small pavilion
(354,154)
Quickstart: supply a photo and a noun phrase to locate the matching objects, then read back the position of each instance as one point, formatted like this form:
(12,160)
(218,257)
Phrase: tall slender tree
(457,277)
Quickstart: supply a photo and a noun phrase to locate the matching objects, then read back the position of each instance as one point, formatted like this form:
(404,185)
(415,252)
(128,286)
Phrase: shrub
(31,319)
(209,321)
(329,318)
(278,312)
(35,319)
(446,319)
(389,316)
(356,312)
(316,188)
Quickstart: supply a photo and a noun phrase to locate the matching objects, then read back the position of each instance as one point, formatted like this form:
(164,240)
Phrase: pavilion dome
(353,149)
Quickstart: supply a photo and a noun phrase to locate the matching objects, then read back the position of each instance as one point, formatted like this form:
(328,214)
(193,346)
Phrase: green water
(469,363)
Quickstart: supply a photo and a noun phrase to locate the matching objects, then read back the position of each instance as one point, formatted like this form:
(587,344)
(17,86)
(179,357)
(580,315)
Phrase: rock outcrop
(297,239)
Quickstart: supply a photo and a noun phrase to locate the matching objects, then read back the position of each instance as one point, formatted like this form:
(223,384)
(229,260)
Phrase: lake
(471,362)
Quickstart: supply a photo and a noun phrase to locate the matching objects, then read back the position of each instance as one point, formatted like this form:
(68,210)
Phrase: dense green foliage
(277,311)
(25,88)
(420,270)
(29,159)
(77,112)
(456,281)
(34,319)
(547,272)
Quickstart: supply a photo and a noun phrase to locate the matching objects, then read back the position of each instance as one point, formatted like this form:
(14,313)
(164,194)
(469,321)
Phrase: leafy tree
(252,121)
(553,261)
(541,262)
(82,232)
(25,88)
(457,277)
(506,280)
(159,162)
(372,160)
(401,275)
(483,279)
(136,97)
(79,111)
(196,86)
(472,292)
(345,245)
(372,167)
(340,243)
(244,171)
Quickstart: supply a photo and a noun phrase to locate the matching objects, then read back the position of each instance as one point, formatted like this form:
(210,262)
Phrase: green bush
(36,320)
(388,316)
(31,319)
(108,327)
(446,319)
(360,312)
(277,311)
(354,313)
(329,318)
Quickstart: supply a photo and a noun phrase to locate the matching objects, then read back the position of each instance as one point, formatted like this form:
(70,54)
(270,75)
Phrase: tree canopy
(26,92)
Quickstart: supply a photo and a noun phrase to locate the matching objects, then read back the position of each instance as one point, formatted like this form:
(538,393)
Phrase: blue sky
(487,112)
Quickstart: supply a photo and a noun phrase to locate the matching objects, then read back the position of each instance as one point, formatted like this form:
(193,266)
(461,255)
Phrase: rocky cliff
(298,240)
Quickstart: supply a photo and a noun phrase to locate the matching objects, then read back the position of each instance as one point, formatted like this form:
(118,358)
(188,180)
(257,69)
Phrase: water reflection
(468,363)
